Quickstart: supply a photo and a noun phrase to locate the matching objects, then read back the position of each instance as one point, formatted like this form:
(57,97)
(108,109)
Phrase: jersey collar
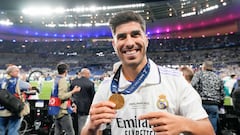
(152,78)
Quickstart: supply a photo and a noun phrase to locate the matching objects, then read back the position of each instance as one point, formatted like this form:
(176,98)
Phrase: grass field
(46,89)
(228,101)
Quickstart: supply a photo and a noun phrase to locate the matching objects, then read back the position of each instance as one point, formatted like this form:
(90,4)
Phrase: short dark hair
(125,17)
(232,75)
(61,68)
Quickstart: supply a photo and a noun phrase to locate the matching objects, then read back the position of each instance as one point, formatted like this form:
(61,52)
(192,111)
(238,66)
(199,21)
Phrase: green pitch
(46,89)
(228,101)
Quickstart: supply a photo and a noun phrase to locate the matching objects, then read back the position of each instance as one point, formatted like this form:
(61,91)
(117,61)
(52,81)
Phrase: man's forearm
(200,127)
(87,131)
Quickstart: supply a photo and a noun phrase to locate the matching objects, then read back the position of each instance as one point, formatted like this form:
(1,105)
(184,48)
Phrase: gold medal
(162,102)
(118,100)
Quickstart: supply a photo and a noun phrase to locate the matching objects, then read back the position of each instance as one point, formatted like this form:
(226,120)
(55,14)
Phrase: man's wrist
(89,130)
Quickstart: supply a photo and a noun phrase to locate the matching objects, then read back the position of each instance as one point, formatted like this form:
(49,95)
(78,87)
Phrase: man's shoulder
(164,70)
(85,79)
(76,79)
(169,71)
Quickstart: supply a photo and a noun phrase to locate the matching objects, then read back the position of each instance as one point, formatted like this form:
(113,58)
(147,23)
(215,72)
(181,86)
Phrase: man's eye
(135,33)
(121,36)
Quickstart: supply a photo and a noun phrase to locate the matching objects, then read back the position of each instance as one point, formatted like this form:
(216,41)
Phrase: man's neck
(130,75)
(62,75)
(131,72)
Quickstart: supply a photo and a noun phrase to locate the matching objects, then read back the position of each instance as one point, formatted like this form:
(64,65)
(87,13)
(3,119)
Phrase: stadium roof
(19,4)
(78,19)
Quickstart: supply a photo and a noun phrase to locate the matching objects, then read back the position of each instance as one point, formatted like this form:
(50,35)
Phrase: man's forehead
(129,32)
(128,27)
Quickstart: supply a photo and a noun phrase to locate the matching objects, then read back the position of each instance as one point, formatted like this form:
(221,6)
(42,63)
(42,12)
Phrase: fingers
(159,129)
(107,104)
(151,115)
(157,120)
(162,123)
(77,87)
(102,112)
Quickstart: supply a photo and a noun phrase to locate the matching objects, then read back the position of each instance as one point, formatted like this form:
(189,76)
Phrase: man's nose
(129,40)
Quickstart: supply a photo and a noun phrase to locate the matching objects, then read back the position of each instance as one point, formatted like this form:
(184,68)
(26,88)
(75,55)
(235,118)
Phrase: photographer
(10,122)
(62,111)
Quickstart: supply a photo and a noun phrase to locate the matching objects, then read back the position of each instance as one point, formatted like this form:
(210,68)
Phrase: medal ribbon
(135,84)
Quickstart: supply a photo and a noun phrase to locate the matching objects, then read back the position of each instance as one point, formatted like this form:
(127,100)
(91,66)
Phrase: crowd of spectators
(100,56)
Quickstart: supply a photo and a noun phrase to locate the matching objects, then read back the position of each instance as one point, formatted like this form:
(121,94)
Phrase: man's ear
(147,41)
(114,45)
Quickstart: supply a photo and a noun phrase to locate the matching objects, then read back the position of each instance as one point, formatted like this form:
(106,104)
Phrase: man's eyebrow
(135,31)
(120,35)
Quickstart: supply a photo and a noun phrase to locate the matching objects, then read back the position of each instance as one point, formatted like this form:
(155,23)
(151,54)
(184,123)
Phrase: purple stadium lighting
(155,28)
(179,27)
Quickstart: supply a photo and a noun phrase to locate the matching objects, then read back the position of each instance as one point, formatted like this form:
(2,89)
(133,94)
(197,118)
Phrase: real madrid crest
(162,102)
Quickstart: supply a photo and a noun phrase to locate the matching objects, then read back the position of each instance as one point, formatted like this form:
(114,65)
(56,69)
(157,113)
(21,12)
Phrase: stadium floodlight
(101,24)
(59,10)
(224,3)
(6,22)
(208,9)
(51,25)
(43,11)
(85,25)
(91,9)
(126,6)
(47,11)
(188,14)
(71,25)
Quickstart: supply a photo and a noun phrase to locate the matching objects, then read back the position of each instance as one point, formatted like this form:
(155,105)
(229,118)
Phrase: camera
(38,121)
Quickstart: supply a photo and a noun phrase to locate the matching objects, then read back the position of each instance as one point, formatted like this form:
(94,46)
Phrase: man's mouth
(130,52)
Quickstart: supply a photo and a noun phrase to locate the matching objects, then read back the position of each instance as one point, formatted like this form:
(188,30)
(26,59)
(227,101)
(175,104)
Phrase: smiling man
(143,98)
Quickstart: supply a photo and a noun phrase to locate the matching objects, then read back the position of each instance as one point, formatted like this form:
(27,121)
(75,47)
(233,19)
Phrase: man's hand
(74,107)
(76,89)
(164,123)
(101,113)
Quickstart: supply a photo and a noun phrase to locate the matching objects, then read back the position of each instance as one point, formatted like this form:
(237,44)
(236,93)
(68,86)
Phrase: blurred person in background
(63,120)
(34,93)
(236,97)
(82,99)
(142,97)
(187,73)
(10,123)
(210,87)
(41,80)
(229,84)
